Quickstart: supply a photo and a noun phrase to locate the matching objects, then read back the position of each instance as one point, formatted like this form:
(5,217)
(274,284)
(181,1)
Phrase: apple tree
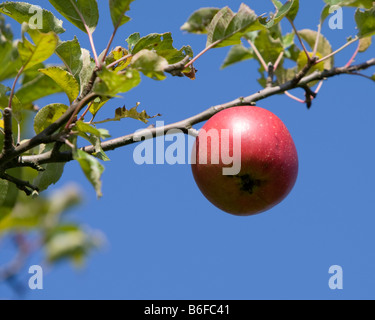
(36,142)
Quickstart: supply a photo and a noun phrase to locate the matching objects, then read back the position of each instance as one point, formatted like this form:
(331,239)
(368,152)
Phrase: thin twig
(24,186)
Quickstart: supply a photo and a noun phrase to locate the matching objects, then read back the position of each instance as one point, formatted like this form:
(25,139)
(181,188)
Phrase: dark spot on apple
(247,183)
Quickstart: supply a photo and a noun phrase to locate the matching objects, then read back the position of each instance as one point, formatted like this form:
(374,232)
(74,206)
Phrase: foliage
(91,80)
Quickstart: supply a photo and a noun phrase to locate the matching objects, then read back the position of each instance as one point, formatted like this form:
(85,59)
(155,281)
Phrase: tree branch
(187,124)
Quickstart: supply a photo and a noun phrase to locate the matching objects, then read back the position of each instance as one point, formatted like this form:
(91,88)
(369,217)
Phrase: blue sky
(166,241)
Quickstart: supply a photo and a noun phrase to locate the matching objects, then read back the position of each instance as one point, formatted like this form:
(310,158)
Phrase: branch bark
(300,81)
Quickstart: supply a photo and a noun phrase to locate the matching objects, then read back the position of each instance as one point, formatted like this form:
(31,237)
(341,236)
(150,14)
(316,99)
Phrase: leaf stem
(354,55)
(337,51)
(202,53)
(278,60)
(300,39)
(14,87)
(89,33)
(317,40)
(119,60)
(253,46)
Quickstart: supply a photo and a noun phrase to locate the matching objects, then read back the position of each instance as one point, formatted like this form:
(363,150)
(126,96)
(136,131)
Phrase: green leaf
(289,9)
(29,13)
(111,83)
(237,54)
(40,87)
(6,34)
(53,171)
(48,115)
(133,113)
(9,194)
(200,20)
(45,45)
(268,47)
(71,55)
(65,80)
(150,64)
(325,14)
(69,241)
(118,9)
(87,69)
(227,28)
(92,169)
(16,103)
(285,75)
(292,14)
(350,3)
(80,126)
(80,13)
(324,47)
(98,104)
(94,136)
(132,40)
(365,22)
(10,60)
(162,44)
(364,44)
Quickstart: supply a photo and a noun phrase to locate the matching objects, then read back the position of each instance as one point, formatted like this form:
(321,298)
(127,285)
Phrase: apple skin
(269,162)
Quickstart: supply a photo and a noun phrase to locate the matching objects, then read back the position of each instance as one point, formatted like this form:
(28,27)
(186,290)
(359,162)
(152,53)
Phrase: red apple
(261,148)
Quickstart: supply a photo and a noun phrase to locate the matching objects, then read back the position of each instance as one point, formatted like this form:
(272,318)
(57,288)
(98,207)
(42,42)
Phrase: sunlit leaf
(365,22)
(69,241)
(16,103)
(200,20)
(289,9)
(10,60)
(71,55)
(133,113)
(237,54)
(162,44)
(118,9)
(26,12)
(45,45)
(227,28)
(79,12)
(52,171)
(40,87)
(87,69)
(48,115)
(150,64)
(92,169)
(324,46)
(65,80)
(350,3)
(111,83)
(9,193)
(364,44)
